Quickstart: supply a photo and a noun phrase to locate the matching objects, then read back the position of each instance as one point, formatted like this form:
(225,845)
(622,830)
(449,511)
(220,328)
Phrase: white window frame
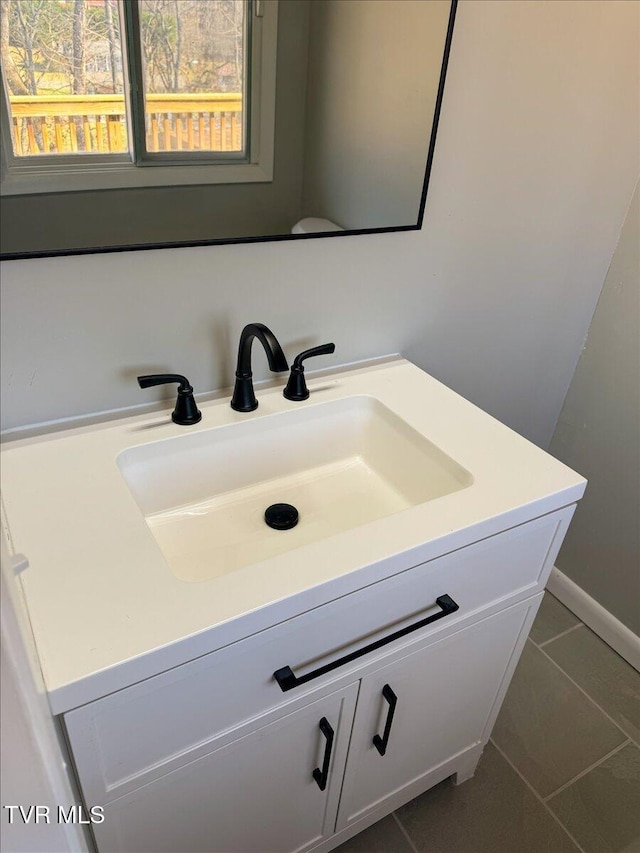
(78,172)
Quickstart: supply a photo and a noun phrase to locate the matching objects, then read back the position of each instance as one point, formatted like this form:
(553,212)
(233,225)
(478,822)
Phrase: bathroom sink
(341,464)
(146,541)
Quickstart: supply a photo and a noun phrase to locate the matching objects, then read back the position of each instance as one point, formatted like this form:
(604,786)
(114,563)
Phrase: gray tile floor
(561,771)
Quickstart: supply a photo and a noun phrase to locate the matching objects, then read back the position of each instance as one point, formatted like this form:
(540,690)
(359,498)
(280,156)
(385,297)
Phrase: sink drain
(281,516)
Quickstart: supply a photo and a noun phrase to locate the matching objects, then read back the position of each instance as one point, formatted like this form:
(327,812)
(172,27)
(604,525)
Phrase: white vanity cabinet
(437,707)
(199,674)
(257,794)
(217,755)
(283,786)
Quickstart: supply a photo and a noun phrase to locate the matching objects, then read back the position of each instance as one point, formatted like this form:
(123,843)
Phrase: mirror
(358,91)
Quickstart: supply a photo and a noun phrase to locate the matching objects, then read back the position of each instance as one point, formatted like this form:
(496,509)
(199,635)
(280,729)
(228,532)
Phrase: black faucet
(244,399)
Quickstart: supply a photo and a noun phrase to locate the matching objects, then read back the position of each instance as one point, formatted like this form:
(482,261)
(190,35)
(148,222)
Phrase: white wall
(535,165)
(598,433)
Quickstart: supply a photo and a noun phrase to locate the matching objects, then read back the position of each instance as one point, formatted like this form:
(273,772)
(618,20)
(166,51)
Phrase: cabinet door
(258,793)
(429,707)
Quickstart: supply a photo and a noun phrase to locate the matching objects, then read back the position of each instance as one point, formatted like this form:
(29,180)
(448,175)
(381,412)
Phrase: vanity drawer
(140,733)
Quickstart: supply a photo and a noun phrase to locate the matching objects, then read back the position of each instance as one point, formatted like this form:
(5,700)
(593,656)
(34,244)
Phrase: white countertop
(105,609)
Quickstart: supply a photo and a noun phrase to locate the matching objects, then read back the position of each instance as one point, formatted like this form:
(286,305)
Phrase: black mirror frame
(94,250)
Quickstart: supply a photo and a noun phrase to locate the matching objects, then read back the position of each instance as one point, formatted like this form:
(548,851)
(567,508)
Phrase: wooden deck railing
(65,124)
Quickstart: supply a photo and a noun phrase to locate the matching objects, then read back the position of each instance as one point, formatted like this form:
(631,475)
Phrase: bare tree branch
(12,75)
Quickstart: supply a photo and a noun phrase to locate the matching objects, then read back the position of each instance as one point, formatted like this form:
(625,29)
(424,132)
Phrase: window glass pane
(193,58)
(62,69)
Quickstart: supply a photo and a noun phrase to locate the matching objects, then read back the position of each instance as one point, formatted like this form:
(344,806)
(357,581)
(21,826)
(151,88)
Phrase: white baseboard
(594,616)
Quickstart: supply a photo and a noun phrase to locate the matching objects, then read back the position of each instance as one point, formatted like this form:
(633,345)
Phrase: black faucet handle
(163,379)
(324,349)
(296,386)
(186,411)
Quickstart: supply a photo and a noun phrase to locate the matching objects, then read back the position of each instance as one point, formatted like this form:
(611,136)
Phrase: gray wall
(599,435)
(373,76)
(535,164)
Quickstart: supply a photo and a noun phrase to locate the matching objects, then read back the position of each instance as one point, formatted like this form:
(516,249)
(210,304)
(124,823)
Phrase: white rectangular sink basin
(341,464)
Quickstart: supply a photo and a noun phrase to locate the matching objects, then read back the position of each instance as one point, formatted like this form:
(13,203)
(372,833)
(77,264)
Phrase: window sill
(36,180)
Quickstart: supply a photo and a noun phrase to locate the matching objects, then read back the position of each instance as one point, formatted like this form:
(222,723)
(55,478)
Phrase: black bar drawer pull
(380,743)
(321,776)
(287,679)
